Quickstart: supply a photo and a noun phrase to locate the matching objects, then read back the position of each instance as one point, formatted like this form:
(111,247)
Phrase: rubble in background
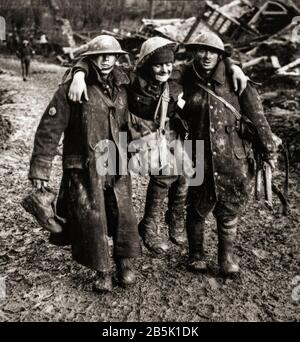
(242,23)
(57,28)
(262,38)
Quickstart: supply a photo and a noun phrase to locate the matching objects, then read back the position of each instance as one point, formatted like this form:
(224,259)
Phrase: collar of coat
(145,84)
(218,76)
(155,89)
(118,77)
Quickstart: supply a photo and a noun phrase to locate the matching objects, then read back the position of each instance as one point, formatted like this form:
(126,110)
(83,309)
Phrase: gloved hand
(40,204)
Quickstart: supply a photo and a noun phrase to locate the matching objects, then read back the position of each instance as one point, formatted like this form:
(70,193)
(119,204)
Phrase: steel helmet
(207,39)
(103,44)
(151,45)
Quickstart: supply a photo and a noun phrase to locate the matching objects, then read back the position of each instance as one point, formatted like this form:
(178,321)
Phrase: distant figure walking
(25,53)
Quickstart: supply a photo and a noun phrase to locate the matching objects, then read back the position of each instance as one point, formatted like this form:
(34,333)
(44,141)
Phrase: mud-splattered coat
(94,206)
(228,158)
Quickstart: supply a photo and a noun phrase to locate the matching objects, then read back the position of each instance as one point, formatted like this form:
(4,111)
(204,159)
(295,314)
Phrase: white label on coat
(180,101)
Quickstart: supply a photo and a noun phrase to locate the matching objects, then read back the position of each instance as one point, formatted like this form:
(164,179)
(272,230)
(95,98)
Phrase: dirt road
(43,284)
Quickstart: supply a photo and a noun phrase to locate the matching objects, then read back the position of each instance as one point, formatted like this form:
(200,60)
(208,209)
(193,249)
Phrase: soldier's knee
(162,181)
(182,181)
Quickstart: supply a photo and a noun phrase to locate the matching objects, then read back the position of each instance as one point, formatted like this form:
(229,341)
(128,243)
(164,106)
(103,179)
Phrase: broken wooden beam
(292,65)
(255,61)
(192,29)
(275,62)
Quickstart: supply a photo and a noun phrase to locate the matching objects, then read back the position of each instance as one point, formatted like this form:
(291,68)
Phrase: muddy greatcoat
(228,169)
(95,206)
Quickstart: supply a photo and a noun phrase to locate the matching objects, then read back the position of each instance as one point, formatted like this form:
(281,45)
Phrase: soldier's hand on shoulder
(239,79)
(78,88)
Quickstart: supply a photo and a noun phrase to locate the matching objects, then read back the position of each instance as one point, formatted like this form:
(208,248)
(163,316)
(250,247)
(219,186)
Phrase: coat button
(216,174)
(212,130)
(214,153)
(211,107)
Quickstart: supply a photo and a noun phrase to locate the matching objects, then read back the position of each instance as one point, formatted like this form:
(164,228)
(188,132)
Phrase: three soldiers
(99,206)
(154,71)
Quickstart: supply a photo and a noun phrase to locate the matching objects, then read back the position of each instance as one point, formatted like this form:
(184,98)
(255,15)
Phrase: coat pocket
(142,99)
(236,143)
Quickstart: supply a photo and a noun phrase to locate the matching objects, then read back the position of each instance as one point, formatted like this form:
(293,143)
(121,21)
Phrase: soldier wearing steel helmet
(95,206)
(211,107)
(153,70)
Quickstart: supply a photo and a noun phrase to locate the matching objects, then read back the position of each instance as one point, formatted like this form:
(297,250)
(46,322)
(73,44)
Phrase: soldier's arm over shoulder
(53,123)
(239,79)
(80,65)
(252,107)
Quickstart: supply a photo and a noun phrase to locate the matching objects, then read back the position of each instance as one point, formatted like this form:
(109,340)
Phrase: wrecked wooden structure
(241,23)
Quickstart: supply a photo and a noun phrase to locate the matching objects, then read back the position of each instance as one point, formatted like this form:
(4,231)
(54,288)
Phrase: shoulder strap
(221,99)
(162,105)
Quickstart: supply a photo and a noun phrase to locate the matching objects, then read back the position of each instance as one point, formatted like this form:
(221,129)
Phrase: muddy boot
(175,216)
(103,282)
(195,234)
(125,273)
(148,227)
(226,235)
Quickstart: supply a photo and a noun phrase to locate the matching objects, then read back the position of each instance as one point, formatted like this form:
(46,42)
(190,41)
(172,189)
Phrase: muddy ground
(44,284)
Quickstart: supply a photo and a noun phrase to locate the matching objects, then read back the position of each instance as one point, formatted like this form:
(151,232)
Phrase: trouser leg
(227,220)
(175,216)
(195,233)
(122,227)
(148,227)
(200,202)
(27,66)
(23,70)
